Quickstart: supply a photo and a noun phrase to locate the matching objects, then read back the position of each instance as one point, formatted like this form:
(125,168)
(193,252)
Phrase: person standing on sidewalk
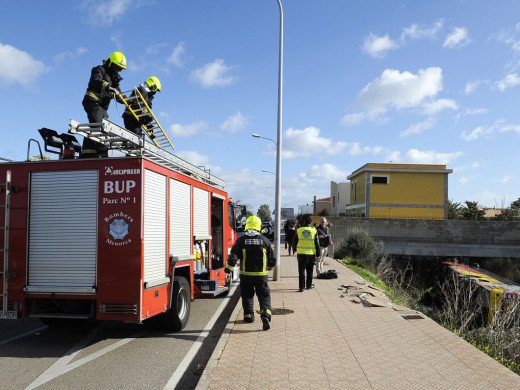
(256,256)
(307,247)
(289,236)
(324,238)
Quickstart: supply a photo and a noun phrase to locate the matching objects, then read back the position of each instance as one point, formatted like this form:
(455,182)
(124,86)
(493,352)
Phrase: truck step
(214,293)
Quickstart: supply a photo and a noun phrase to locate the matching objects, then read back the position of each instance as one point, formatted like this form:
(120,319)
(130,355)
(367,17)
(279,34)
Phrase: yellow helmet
(253,223)
(118,59)
(154,84)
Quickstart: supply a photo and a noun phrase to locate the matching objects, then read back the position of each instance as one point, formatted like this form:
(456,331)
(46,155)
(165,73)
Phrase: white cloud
(195,158)
(510,37)
(353,119)
(434,107)
(69,55)
(19,67)
(505,128)
(418,128)
(500,126)
(235,122)
(104,13)
(377,47)
(473,135)
(400,90)
(457,38)
(178,55)
(511,80)
(506,179)
(117,38)
(475,111)
(155,48)
(214,74)
(416,31)
(472,86)
(463,180)
(355,149)
(415,156)
(188,130)
(308,143)
(323,174)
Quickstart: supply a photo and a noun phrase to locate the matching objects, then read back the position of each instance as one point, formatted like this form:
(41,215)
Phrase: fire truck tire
(177,317)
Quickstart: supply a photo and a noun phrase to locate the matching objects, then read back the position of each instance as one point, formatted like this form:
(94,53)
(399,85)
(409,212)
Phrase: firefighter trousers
(248,286)
(95,114)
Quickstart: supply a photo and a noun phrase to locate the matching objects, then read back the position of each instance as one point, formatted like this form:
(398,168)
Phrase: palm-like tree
(472,211)
(454,210)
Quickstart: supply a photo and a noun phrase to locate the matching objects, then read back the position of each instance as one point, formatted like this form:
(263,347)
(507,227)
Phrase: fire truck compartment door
(155,228)
(201,213)
(180,220)
(63,213)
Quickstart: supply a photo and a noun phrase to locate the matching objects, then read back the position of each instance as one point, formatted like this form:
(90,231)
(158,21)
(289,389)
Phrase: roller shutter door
(63,215)
(200,213)
(180,219)
(155,228)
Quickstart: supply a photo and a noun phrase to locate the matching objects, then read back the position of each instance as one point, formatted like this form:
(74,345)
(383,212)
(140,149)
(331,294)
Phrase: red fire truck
(132,238)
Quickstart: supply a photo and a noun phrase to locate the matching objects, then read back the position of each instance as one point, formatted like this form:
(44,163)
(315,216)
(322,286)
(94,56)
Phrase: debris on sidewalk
(365,294)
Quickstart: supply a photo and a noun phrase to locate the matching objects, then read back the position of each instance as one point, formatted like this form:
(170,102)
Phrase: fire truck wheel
(177,317)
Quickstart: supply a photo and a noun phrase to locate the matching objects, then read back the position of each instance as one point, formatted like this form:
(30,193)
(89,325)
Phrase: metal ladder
(139,109)
(131,144)
(5,249)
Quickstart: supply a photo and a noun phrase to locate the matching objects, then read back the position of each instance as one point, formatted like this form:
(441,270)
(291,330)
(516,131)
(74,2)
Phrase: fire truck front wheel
(177,317)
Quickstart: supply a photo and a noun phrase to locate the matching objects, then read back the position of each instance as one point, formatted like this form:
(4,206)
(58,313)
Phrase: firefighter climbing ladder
(116,137)
(136,104)
(5,249)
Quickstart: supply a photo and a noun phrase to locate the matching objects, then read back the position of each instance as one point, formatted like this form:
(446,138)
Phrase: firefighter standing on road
(102,87)
(147,90)
(256,257)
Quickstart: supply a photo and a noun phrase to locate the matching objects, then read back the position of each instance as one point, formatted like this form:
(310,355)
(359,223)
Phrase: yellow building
(399,191)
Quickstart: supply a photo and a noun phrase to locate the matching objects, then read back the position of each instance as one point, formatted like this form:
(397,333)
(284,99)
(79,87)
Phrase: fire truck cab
(133,238)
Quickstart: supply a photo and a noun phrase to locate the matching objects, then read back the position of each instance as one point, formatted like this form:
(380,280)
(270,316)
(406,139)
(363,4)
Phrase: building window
(380,179)
(333,201)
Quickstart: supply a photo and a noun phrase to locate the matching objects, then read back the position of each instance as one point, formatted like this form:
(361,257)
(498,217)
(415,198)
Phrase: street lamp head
(255,135)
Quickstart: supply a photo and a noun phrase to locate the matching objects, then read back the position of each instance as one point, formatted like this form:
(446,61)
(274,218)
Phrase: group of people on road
(103,86)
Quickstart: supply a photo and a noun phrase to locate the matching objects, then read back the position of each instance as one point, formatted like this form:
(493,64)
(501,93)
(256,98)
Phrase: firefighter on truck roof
(102,88)
(255,254)
(147,90)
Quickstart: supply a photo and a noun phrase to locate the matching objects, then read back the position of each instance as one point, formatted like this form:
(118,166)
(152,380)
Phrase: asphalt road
(112,355)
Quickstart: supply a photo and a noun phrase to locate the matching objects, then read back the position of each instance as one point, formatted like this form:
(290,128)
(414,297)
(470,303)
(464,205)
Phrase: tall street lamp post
(278,192)
(277,273)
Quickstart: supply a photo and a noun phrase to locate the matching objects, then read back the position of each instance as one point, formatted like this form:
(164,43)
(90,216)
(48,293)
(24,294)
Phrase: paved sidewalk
(334,341)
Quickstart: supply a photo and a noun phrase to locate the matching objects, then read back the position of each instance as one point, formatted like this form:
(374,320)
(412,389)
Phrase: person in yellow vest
(307,249)
(256,256)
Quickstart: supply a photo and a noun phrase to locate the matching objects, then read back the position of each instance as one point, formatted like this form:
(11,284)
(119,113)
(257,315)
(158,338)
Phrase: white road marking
(181,368)
(62,366)
(22,335)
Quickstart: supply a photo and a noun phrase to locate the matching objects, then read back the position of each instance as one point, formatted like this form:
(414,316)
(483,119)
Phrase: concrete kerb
(205,378)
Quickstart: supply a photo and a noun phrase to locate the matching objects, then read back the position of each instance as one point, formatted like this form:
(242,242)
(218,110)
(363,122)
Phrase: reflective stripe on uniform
(93,96)
(250,273)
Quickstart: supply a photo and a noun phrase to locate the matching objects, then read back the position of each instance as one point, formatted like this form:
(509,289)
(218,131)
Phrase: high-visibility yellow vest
(306,241)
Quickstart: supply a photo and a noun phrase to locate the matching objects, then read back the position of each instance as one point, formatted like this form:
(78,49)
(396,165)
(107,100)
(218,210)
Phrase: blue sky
(433,82)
